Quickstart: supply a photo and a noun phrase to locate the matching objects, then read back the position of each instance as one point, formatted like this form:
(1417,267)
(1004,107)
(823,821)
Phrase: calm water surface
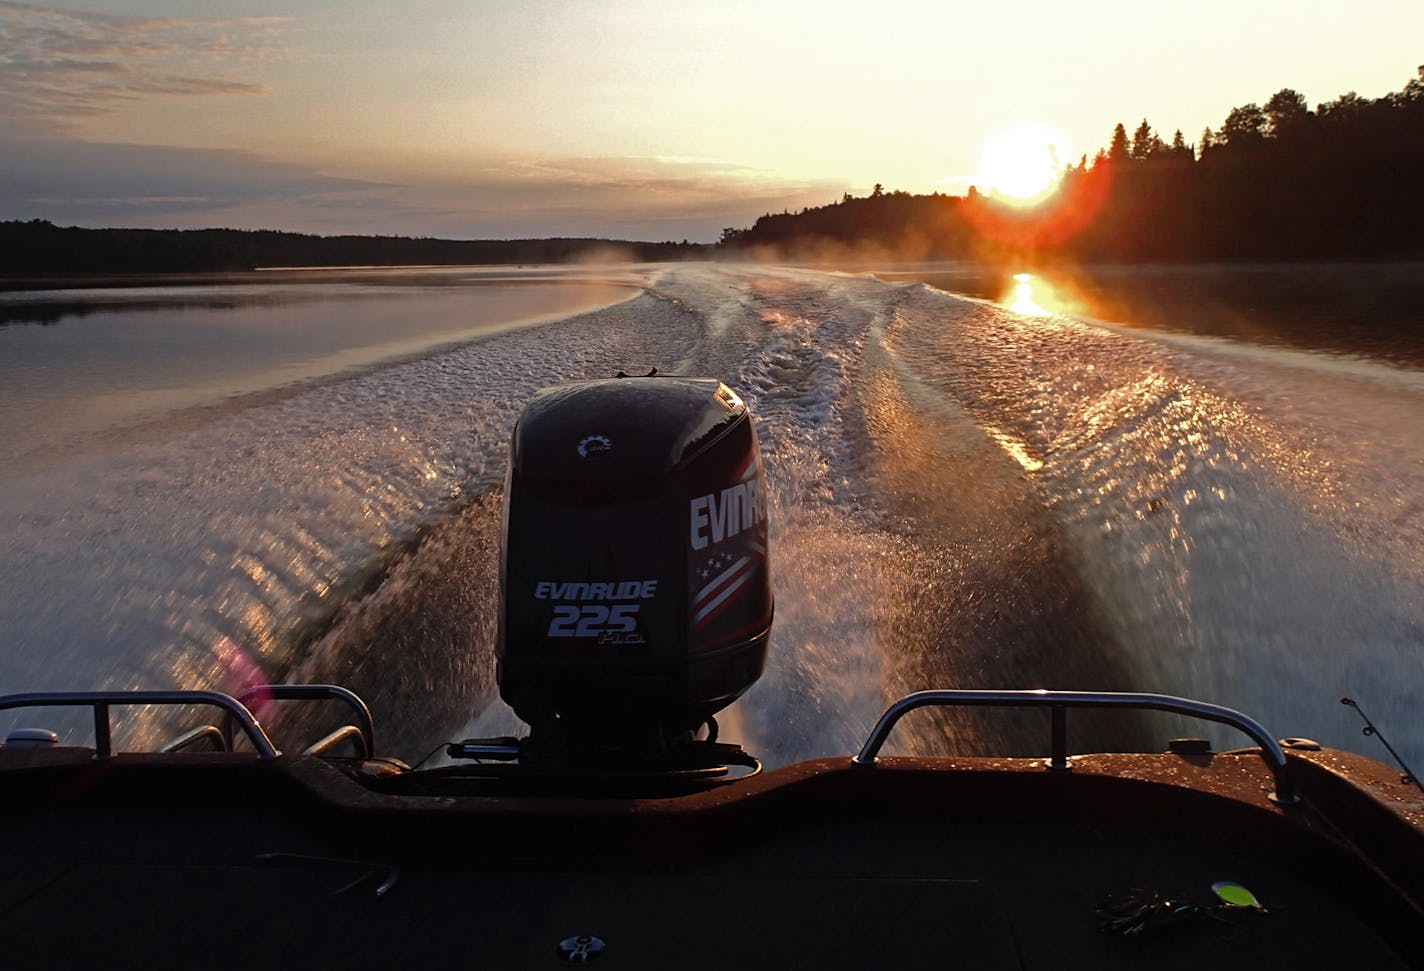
(1369,309)
(78,364)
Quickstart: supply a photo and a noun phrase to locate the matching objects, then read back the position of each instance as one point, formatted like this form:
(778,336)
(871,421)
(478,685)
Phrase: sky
(659,120)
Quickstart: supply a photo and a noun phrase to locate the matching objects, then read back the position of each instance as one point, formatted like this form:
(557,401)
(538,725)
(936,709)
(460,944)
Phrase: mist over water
(961,496)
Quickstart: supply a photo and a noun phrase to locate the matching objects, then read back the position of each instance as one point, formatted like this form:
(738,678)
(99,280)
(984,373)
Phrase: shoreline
(389,275)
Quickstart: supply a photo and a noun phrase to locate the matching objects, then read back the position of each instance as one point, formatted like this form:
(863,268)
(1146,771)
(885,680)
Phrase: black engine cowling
(635,595)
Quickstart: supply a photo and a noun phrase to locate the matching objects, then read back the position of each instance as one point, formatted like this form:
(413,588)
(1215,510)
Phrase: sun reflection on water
(1022,299)
(1016,448)
(1046,295)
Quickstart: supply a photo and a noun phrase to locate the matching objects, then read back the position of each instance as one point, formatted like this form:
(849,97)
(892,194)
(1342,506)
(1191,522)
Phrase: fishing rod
(1409,778)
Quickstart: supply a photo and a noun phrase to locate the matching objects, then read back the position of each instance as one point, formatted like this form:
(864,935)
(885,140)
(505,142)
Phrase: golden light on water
(1035,295)
(1021,300)
(1016,449)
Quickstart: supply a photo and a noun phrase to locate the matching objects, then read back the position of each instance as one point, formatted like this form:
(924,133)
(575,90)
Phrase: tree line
(40,248)
(1276,181)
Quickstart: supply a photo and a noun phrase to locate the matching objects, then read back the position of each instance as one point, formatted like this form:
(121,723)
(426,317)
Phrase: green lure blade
(1235,895)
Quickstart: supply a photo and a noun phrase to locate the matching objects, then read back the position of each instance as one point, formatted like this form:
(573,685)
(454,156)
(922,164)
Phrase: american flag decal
(724,573)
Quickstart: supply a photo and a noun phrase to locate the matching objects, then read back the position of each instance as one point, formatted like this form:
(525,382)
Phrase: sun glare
(1022,165)
(1022,300)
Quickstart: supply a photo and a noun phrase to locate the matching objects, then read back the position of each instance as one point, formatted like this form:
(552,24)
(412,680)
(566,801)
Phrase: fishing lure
(1139,910)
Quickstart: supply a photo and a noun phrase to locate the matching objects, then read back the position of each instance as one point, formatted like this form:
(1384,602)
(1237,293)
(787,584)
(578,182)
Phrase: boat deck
(193,860)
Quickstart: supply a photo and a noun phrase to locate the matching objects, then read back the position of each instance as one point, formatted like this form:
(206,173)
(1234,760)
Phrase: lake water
(1369,309)
(200,490)
(79,366)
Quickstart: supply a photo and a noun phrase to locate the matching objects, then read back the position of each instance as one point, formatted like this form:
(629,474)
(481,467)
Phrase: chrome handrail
(325,744)
(366,726)
(1060,701)
(203,733)
(101,701)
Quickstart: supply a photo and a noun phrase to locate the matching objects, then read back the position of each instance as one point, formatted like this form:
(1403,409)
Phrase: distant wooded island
(1276,182)
(38,248)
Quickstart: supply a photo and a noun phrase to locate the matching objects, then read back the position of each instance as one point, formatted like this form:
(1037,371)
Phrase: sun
(1022,165)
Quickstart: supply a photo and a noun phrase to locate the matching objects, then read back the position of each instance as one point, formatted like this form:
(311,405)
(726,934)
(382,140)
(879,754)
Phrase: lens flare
(238,672)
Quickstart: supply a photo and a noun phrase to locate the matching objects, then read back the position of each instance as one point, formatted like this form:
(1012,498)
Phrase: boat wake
(960,496)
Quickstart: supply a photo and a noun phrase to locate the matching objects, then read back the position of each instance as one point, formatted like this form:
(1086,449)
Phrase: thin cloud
(59,67)
(110,184)
(648,184)
(76,182)
(628,198)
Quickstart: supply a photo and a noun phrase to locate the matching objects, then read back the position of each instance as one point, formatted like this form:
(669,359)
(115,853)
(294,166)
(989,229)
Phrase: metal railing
(365,729)
(236,713)
(1058,702)
(101,701)
(190,738)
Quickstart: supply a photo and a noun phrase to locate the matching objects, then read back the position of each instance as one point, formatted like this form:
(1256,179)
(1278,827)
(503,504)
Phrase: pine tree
(1117,150)
(1142,140)
(1180,148)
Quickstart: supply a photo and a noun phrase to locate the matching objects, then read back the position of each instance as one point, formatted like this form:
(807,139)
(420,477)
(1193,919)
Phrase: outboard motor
(635,596)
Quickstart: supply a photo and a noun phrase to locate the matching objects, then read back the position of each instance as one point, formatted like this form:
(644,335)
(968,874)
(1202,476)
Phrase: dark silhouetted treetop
(1414,90)
(1245,127)
(1117,148)
(1345,109)
(1145,143)
(1286,114)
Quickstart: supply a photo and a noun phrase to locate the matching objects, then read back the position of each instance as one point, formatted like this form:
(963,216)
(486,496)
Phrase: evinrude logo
(615,623)
(594,445)
(716,518)
(579,590)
